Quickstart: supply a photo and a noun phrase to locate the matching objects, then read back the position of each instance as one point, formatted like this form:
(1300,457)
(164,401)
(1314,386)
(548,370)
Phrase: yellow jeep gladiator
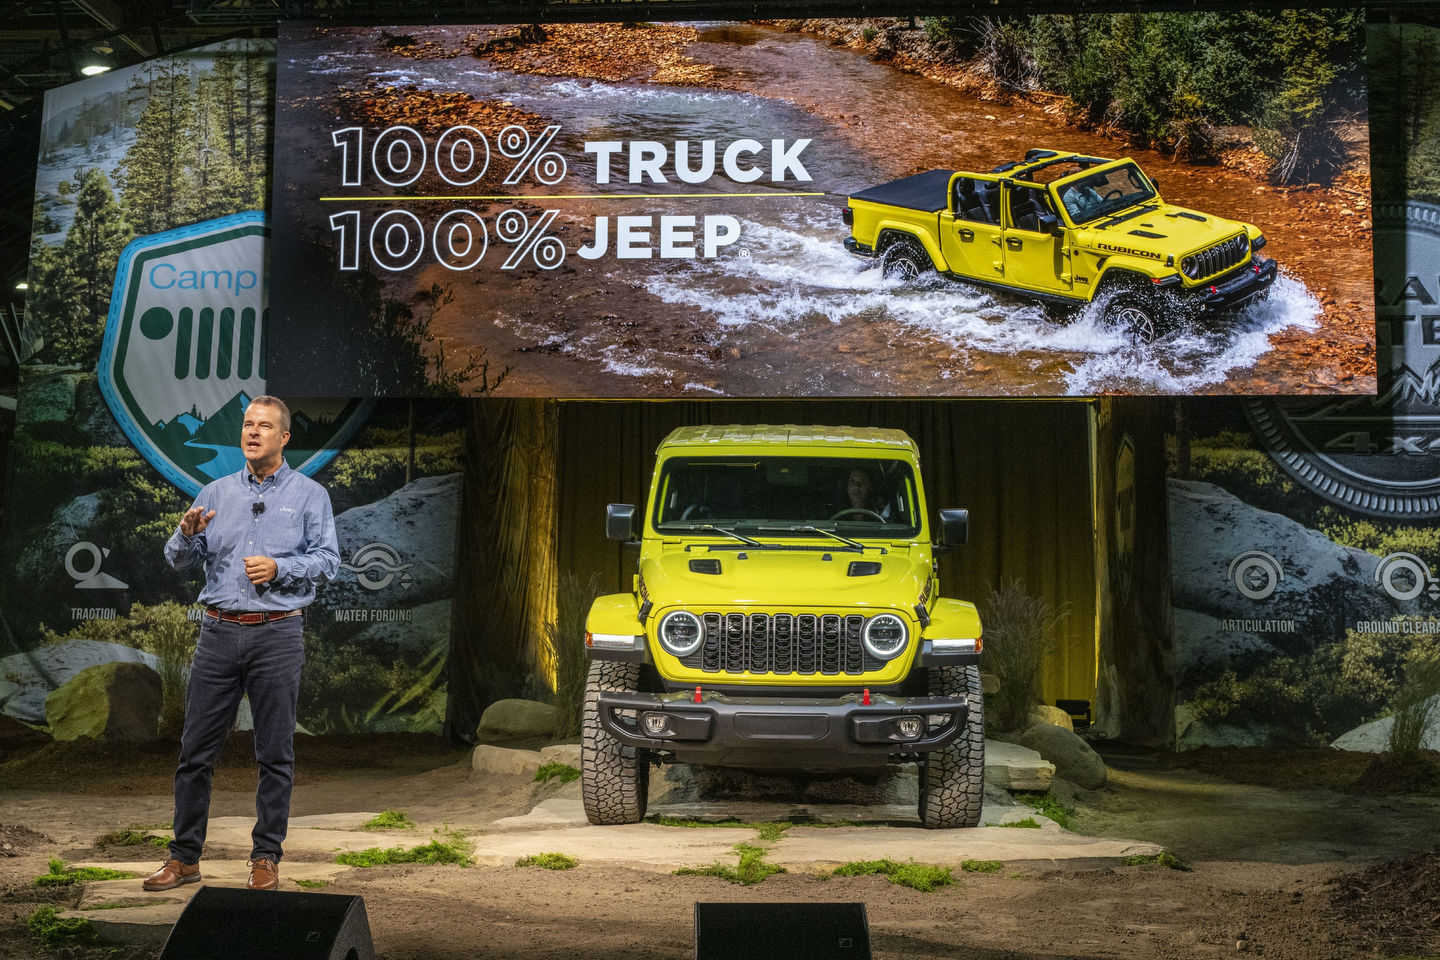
(787,615)
(1066,230)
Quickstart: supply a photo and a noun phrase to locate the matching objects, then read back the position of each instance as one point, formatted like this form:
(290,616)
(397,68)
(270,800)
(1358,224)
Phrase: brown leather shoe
(171,874)
(264,875)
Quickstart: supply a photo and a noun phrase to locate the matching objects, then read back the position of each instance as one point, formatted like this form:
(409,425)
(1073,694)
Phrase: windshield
(857,497)
(1105,192)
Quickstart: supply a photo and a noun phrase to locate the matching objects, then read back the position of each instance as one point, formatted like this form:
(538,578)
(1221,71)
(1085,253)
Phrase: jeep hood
(1158,232)
(785,580)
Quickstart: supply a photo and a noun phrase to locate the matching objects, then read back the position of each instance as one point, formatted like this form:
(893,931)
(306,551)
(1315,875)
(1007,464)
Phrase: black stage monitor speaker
(226,923)
(781,931)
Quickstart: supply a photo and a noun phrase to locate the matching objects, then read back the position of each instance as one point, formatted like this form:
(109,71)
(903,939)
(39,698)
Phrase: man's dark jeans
(263,661)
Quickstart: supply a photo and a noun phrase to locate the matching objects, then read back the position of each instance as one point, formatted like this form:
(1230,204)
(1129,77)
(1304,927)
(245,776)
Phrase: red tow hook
(865,697)
(697,694)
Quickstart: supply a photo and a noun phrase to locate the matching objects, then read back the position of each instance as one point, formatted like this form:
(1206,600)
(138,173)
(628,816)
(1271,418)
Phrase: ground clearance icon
(184,352)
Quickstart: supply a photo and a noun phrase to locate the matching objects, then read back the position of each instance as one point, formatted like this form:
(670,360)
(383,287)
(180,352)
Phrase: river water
(786,311)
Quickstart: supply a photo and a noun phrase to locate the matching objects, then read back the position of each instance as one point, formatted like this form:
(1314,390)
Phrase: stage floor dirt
(1278,843)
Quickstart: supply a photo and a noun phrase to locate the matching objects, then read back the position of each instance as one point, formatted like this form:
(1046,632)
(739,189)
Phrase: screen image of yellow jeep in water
(786,614)
(1066,230)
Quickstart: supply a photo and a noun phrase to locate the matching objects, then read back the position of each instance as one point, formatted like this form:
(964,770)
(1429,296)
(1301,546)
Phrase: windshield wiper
(811,528)
(706,527)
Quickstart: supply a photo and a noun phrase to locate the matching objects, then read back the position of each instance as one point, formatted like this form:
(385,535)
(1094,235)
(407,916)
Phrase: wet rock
(116,702)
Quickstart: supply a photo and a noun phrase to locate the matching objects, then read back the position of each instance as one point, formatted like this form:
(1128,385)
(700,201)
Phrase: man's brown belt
(262,617)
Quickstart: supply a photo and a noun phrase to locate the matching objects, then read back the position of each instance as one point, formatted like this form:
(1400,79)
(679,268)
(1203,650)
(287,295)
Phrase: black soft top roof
(923,191)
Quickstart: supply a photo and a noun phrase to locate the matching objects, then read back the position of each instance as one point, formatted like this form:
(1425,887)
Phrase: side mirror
(954,527)
(1049,223)
(620,522)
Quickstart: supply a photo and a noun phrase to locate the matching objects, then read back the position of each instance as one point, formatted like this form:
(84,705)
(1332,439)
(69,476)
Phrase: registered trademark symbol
(745,254)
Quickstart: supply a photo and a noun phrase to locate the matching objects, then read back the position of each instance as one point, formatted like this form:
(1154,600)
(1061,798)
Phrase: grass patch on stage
(1164,858)
(435,852)
(981,866)
(1029,823)
(55,931)
(917,876)
(557,771)
(63,876)
(769,830)
(389,820)
(312,884)
(131,837)
(751,869)
(1045,804)
(550,861)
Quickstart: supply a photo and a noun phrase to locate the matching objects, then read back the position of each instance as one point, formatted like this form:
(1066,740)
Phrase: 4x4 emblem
(184,352)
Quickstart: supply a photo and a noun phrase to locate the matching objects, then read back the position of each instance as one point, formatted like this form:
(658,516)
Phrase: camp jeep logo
(184,352)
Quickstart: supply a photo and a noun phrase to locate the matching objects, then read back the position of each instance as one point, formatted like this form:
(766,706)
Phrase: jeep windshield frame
(1103,192)
(801,497)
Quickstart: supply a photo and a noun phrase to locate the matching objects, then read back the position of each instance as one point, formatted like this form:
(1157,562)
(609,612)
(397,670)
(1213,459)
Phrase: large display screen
(1039,206)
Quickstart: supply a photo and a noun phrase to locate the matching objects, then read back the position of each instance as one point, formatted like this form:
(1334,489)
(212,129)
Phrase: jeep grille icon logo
(184,352)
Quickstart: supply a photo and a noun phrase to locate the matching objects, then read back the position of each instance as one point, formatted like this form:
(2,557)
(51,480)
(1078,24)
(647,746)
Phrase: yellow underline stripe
(583,196)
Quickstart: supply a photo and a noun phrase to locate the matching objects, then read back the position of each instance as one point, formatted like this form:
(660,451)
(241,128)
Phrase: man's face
(261,438)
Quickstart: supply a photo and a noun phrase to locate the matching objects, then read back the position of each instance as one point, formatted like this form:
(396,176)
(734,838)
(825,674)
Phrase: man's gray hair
(278,404)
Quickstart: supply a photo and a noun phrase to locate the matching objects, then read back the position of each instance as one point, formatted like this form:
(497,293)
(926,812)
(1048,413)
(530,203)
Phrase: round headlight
(884,636)
(681,633)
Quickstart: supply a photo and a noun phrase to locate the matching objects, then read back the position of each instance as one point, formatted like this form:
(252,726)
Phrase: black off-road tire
(952,781)
(1138,314)
(905,260)
(614,778)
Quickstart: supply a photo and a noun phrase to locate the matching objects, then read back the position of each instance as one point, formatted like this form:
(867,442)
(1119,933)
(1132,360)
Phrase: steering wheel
(860,510)
(1112,194)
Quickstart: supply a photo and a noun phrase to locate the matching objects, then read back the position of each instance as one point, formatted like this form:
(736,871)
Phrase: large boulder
(1203,647)
(43,556)
(1072,756)
(47,395)
(26,679)
(1324,587)
(508,721)
(1015,767)
(118,702)
(399,551)
(1374,737)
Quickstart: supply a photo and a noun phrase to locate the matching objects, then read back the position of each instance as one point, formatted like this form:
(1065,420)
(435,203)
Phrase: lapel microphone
(258,507)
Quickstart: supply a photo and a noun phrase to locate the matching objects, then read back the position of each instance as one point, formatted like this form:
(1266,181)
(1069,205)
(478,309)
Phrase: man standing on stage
(266,536)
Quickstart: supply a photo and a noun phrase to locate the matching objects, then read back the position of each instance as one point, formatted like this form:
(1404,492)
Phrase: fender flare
(890,232)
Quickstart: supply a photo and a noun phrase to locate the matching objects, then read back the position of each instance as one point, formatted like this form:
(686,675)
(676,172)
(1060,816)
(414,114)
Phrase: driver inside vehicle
(865,502)
(1079,199)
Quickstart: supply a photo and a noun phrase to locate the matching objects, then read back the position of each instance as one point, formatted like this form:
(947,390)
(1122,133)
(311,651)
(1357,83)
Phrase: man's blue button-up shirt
(286,517)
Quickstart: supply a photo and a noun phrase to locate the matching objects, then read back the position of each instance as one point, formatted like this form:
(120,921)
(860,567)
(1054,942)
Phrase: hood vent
(708,565)
(1188,216)
(863,568)
(1147,233)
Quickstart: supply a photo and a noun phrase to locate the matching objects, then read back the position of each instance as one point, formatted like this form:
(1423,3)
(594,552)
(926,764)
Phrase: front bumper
(795,732)
(1239,288)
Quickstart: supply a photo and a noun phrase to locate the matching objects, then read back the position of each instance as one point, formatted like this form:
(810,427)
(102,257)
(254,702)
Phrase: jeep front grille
(1217,259)
(784,643)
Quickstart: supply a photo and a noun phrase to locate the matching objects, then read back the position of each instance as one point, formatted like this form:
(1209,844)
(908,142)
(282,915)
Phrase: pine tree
(77,277)
(157,191)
